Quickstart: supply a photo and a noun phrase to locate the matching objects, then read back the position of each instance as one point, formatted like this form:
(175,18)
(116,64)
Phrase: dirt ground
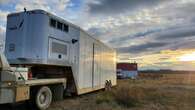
(69,103)
(129,95)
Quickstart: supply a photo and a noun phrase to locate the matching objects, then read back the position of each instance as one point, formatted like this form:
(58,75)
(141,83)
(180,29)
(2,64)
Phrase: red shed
(127,70)
(127,66)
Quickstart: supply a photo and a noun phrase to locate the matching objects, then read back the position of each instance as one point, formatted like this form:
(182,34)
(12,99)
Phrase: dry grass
(149,95)
(135,95)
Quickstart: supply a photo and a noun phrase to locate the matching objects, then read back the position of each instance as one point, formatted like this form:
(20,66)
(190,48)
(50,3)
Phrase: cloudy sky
(158,34)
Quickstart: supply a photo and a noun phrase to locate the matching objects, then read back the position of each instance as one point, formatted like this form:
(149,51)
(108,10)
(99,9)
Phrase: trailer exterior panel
(38,38)
(97,64)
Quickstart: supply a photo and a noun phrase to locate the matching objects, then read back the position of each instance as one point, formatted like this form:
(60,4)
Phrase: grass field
(167,93)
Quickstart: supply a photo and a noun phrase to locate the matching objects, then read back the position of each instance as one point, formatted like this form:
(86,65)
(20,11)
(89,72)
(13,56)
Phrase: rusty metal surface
(22,93)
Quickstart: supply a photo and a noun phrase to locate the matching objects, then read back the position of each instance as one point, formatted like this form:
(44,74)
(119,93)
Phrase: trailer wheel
(108,85)
(43,98)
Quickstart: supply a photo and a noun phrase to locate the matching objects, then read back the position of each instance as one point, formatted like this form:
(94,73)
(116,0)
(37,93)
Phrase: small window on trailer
(65,28)
(59,48)
(59,26)
(52,23)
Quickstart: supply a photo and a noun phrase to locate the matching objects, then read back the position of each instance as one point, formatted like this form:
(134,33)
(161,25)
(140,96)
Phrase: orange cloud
(166,59)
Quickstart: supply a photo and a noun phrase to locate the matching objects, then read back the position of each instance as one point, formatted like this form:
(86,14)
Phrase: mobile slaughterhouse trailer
(49,57)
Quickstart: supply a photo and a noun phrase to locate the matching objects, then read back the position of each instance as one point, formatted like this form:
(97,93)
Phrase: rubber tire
(46,90)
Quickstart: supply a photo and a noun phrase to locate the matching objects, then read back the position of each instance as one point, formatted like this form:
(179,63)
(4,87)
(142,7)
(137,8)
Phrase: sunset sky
(158,34)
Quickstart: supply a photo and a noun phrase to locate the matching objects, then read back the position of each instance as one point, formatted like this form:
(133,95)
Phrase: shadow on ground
(21,106)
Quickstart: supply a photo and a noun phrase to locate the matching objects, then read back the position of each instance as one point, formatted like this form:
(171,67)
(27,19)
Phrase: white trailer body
(96,64)
(48,43)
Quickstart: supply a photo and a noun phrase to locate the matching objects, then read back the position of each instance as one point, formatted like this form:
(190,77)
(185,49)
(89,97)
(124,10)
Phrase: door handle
(74,41)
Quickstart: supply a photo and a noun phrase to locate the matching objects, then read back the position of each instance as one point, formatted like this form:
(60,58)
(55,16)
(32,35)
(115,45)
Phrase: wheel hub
(42,98)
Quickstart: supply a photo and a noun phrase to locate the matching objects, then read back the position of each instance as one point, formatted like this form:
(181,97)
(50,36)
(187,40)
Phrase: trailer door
(58,49)
(96,75)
